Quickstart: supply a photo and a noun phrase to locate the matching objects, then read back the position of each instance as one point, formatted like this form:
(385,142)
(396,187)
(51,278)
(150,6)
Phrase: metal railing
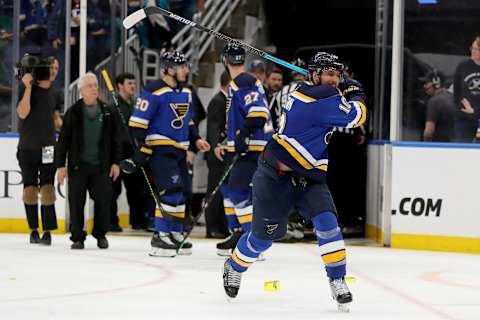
(189,40)
(112,64)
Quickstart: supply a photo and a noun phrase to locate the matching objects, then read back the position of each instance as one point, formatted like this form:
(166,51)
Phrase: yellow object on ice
(272,285)
(350,279)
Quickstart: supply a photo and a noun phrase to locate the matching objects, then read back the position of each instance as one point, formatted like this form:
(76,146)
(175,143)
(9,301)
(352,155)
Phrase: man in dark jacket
(216,118)
(89,139)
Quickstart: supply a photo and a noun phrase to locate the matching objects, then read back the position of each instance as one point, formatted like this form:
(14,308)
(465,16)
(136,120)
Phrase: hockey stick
(155,194)
(141,14)
(208,200)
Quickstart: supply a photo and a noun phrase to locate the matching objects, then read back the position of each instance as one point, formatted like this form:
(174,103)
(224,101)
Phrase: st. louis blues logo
(270,228)
(180,110)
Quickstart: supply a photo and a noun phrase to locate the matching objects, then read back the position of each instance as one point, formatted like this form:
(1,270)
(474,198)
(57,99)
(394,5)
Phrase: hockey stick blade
(141,14)
(134,18)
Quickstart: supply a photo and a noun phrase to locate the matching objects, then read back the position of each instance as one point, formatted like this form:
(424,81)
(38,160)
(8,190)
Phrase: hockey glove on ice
(138,160)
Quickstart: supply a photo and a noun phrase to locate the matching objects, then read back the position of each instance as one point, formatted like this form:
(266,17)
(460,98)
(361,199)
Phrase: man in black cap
(439,123)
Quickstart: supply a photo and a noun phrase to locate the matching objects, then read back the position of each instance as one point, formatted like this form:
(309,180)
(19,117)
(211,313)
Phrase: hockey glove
(351,89)
(241,142)
(138,160)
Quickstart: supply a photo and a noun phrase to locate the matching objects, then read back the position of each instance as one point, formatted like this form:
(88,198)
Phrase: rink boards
(12,212)
(426,197)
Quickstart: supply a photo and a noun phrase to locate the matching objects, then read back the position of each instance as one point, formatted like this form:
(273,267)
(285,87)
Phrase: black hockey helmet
(234,54)
(323,61)
(171,59)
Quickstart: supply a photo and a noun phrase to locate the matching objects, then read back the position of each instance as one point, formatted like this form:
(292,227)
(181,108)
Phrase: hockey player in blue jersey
(247,113)
(292,173)
(163,128)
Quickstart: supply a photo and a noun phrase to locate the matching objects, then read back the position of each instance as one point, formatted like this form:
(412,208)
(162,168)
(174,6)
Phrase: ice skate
(162,246)
(231,280)
(226,247)
(177,239)
(341,294)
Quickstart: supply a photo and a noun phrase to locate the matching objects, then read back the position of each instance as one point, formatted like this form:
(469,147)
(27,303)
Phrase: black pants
(215,215)
(35,174)
(136,197)
(99,186)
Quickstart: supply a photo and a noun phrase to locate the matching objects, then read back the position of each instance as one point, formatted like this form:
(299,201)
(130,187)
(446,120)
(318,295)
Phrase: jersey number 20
(142,105)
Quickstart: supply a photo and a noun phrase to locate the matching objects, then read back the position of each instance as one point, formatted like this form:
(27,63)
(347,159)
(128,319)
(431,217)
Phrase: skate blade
(261,257)
(185,252)
(157,252)
(224,252)
(344,307)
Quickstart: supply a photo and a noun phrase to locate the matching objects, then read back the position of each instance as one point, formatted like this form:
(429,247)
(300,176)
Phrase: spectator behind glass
(440,109)
(98,26)
(158,29)
(466,89)
(6,72)
(186,9)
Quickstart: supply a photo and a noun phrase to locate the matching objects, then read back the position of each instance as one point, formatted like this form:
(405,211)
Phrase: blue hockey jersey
(163,116)
(307,124)
(246,100)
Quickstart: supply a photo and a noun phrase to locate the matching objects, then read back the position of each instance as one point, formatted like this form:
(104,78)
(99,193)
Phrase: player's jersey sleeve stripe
(253,145)
(138,122)
(302,97)
(258,114)
(360,116)
(258,109)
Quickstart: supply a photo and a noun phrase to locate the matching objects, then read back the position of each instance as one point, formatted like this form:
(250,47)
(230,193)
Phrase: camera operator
(39,112)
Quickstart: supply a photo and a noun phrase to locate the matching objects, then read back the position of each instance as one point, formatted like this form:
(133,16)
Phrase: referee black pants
(89,178)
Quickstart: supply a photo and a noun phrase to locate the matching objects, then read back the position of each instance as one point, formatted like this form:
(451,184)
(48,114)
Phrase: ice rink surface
(124,283)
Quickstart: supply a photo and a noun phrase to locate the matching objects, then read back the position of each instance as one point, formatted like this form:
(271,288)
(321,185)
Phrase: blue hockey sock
(232,220)
(332,246)
(161,225)
(247,251)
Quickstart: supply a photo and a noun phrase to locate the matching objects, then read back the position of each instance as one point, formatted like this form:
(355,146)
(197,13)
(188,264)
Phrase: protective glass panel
(438,105)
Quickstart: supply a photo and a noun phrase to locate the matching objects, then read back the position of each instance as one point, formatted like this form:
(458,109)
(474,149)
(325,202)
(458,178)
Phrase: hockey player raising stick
(292,173)
(247,113)
(163,127)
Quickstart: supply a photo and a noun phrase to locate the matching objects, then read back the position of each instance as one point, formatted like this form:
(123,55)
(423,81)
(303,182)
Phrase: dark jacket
(70,143)
(216,122)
